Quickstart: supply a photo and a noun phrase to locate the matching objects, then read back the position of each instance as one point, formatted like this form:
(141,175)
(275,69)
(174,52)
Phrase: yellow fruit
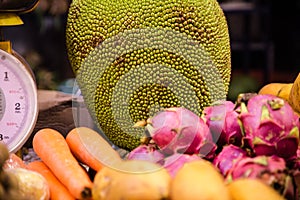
(252,189)
(281,90)
(134,180)
(131,58)
(294,98)
(198,180)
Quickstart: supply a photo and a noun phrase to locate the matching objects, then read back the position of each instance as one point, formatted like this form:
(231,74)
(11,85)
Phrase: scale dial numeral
(6,76)
(17,107)
(2,137)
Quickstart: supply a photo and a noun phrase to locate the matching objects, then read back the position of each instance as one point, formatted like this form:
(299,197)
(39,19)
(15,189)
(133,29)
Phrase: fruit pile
(257,137)
(248,149)
(243,150)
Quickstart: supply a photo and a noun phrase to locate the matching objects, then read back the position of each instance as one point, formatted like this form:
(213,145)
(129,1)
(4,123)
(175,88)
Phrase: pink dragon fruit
(256,167)
(223,122)
(147,152)
(174,162)
(270,169)
(227,157)
(271,126)
(179,130)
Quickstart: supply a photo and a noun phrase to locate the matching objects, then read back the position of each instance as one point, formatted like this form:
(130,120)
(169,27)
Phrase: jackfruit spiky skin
(132,58)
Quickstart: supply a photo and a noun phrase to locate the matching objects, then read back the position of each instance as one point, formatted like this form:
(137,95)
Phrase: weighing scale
(18,91)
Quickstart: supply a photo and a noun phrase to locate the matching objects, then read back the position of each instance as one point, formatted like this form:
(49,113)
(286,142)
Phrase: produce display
(185,156)
(154,76)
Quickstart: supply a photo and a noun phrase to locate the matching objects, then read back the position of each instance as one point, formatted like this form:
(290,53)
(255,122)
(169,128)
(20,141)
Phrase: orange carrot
(91,148)
(80,152)
(54,151)
(57,190)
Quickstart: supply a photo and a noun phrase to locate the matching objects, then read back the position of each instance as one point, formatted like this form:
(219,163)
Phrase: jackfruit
(133,58)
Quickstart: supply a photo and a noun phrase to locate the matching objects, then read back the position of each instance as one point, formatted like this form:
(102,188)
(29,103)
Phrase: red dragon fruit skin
(223,122)
(254,167)
(271,126)
(227,157)
(271,170)
(180,130)
(146,152)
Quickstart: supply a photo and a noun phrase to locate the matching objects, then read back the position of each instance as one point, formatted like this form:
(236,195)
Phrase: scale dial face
(18,102)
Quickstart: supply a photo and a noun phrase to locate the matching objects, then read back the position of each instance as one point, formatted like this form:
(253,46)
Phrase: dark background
(286,34)
(41,41)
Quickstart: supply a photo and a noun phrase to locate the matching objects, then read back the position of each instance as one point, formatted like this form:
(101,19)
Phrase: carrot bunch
(61,160)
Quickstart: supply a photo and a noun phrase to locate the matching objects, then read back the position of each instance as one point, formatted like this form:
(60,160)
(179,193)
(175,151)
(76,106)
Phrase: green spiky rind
(90,23)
